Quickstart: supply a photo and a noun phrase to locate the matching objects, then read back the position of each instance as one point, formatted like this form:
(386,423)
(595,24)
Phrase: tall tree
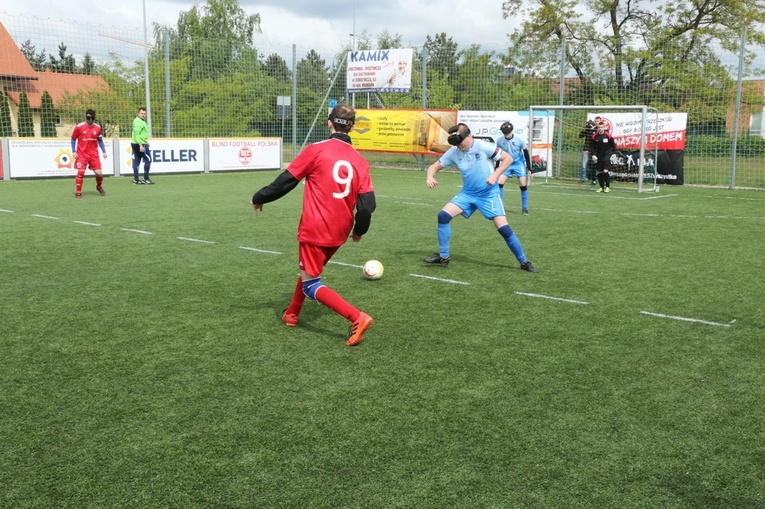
(6,129)
(441,55)
(47,116)
(26,127)
(626,51)
(65,61)
(88,66)
(276,67)
(36,60)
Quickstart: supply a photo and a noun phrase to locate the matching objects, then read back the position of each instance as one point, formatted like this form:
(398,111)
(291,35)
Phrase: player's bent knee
(505,231)
(444,217)
(311,286)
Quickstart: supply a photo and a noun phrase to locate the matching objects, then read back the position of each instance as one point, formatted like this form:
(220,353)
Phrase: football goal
(634,129)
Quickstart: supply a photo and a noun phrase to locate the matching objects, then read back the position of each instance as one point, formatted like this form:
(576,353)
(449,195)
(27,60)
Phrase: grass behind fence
(145,370)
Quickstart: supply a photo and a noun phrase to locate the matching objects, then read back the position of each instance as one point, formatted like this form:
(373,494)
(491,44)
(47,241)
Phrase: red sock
(330,298)
(78,181)
(297,299)
(99,181)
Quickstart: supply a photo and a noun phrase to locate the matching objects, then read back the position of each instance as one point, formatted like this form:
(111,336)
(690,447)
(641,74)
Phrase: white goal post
(643,110)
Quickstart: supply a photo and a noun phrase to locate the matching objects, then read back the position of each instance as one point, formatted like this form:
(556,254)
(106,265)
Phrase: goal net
(633,129)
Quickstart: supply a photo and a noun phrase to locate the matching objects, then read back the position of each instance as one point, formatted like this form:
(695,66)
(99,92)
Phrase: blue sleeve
(74,145)
(101,144)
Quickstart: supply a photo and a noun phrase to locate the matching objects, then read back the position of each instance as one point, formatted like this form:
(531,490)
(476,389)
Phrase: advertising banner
(381,70)
(408,131)
(664,149)
(49,158)
(245,154)
(167,156)
(538,134)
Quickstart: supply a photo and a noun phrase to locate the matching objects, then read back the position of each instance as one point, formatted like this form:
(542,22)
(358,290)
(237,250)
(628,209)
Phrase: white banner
(381,70)
(484,125)
(665,130)
(49,158)
(167,156)
(245,154)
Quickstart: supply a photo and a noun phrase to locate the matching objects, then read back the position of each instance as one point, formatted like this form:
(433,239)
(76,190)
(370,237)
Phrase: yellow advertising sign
(408,131)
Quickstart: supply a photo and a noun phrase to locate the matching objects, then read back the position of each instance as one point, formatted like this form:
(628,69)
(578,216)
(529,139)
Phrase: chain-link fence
(206,87)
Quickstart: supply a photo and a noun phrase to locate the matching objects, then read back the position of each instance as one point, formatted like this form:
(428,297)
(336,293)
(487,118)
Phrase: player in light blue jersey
(475,160)
(521,165)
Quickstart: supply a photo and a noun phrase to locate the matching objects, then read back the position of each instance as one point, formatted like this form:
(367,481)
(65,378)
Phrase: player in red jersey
(337,181)
(87,137)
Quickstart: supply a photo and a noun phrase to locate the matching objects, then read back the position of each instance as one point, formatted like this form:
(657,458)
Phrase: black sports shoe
(136,182)
(437,258)
(101,191)
(147,181)
(528,267)
(525,212)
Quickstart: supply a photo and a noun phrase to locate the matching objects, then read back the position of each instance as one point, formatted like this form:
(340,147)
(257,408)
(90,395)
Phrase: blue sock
(444,233)
(524,199)
(512,241)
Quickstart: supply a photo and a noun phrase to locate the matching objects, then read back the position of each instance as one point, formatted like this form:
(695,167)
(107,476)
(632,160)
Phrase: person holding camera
(587,132)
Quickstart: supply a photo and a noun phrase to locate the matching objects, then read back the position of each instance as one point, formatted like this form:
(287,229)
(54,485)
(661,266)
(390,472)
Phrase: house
(17,76)
(750,118)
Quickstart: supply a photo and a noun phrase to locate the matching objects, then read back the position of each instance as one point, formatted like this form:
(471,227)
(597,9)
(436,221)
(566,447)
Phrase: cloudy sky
(321,24)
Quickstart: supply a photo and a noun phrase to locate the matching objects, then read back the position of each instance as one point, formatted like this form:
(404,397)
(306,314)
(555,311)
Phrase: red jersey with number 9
(335,174)
(87,137)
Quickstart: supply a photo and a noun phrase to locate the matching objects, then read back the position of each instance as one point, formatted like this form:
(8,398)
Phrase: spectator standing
(140,147)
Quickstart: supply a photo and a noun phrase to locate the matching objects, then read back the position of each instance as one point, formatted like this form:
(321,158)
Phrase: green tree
(47,116)
(441,54)
(639,51)
(26,127)
(88,66)
(36,60)
(6,129)
(276,67)
(65,61)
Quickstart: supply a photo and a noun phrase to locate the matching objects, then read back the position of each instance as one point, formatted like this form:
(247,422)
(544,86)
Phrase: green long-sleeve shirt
(140,131)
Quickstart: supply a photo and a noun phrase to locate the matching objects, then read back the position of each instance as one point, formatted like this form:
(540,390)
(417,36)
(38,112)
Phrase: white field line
(44,217)
(347,264)
(440,279)
(260,250)
(136,231)
(86,223)
(196,240)
(539,296)
(8,211)
(684,319)
(412,203)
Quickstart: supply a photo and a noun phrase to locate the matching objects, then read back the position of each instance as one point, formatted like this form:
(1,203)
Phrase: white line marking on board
(260,250)
(346,264)
(705,322)
(196,240)
(539,296)
(8,211)
(440,279)
(44,217)
(86,223)
(136,231)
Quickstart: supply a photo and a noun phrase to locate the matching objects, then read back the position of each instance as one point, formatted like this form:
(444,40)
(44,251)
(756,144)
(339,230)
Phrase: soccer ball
(373,269)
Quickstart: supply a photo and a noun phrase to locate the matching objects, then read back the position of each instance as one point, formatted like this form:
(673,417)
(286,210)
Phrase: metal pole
(146,70)
(294,102)
(167,84)
(560,101)
(734,142)
(353,96)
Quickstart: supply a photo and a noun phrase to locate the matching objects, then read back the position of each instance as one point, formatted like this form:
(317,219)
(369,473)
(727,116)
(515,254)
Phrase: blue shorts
(518,171)
(490,205)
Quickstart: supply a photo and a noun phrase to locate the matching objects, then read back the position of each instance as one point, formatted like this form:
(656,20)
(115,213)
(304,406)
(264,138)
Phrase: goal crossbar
(643,109)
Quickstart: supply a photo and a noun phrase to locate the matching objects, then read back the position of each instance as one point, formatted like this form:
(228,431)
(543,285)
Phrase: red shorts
(83,163)
(312,259)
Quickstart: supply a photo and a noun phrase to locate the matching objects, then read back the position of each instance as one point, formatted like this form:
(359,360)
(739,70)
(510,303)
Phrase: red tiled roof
(56,83)
(13,63)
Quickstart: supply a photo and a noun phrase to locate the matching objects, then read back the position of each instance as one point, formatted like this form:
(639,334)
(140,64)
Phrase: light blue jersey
(515,147)
(475,165)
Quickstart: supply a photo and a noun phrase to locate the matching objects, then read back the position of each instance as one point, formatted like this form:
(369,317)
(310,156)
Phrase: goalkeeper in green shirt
(140,145)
